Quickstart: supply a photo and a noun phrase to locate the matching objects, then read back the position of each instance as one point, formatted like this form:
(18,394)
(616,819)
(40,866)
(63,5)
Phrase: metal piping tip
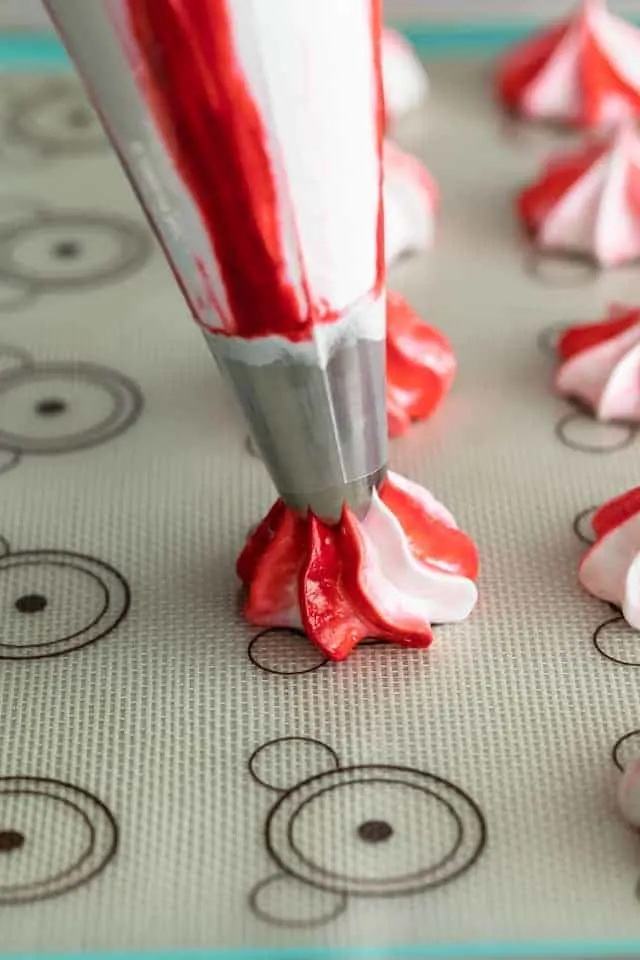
(320,428)
(328,504)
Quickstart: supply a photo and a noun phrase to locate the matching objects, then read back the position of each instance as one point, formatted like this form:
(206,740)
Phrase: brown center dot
(66,249)
(375,831)
(31,603)
(10,840)
(50,407)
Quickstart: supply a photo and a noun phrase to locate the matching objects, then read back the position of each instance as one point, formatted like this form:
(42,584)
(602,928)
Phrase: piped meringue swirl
(420,366)
(584,71)
(404,78)
(387,577)
(610,570)
(587,202)
(411,201)
(601,365)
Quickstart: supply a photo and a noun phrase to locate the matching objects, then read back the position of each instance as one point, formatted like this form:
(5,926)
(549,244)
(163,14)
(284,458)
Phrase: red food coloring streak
(215,135)
(213,130)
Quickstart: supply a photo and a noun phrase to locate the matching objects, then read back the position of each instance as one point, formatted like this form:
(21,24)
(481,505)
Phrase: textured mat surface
(170,777)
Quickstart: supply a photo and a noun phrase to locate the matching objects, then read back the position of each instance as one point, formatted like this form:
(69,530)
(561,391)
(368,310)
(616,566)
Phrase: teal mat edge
(28,51)
(562,950)
(31,51)
(41,51)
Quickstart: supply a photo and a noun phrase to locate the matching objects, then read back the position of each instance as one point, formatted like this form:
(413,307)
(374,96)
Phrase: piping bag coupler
(251,134)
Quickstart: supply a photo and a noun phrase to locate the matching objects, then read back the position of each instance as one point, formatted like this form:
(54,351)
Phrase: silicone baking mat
(172,779)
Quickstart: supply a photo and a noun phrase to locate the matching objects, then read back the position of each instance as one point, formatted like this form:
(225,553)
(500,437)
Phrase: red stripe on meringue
(335,613)
(594,89)
(522,64)
(616,512)
(402,630)
(600,81)
(432,541)
(584,336)
(420,366)
(270,563)
(301,571)
(559,175)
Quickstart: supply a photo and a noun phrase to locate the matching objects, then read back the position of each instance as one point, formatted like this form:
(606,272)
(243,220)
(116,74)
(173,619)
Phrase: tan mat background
(172,778)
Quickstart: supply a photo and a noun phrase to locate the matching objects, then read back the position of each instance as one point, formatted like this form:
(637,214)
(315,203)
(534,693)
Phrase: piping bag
(251,133)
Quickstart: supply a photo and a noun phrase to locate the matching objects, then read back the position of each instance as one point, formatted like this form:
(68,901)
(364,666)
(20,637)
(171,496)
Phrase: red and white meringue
(587,202)
(601,365)
(583,72)
(610,570)
(388,577)
(411,200)
(420,366)
(404,78)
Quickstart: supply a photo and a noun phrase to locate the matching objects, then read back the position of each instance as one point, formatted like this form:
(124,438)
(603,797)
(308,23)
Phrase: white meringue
(403,75)
(410,204)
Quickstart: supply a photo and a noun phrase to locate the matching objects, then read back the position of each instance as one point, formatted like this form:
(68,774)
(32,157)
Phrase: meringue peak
(610,570)
(587,201)
(583,71)
(404,77)
(389,576)
(601,365)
